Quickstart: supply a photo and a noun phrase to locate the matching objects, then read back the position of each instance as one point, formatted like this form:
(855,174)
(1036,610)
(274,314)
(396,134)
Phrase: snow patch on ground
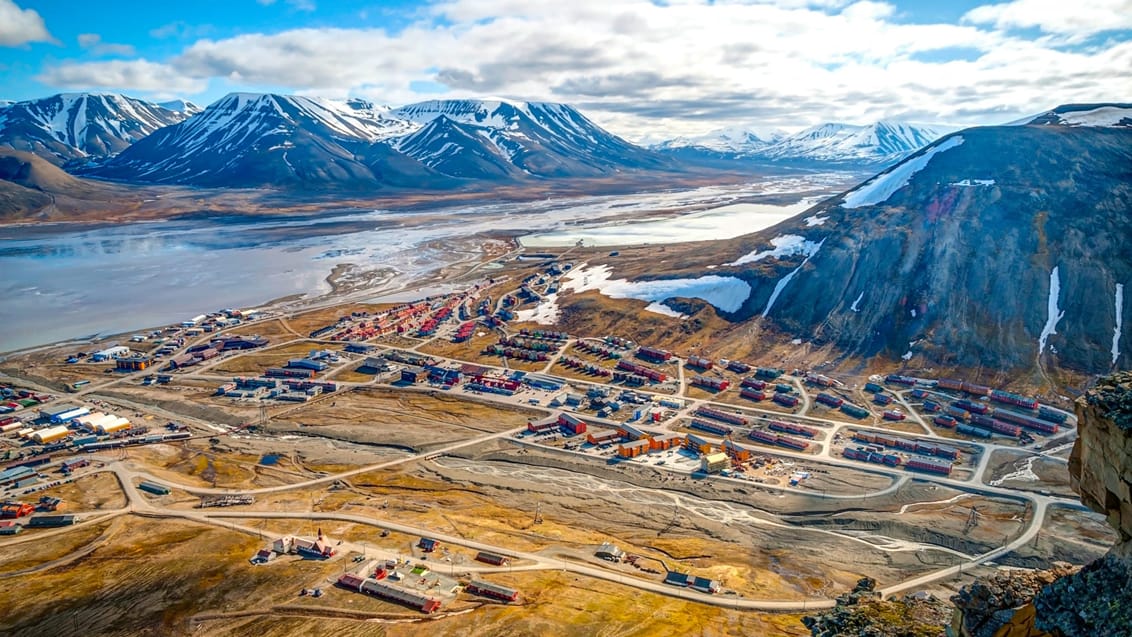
(855,307)
(1054,314)
(907,355)
(545,313)
(1024,473)
(727,293)
(796,341)
(880,188)
(787,245)
(1119,322)
(815,220)
(661,308)
(972,182)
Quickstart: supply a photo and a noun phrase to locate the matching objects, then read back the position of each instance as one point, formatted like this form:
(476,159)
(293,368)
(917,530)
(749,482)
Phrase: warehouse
(51,434)
(550,423)
(306,363)
(182,360)
(112,425)
(52,413)
(633,449)
(43,521)
(134,363)
(492,558)
(114,351)
(389,591)
(544,382)
(374,365)
(154,488)
(572,423)
(495,591)
(714,462)
(10,527)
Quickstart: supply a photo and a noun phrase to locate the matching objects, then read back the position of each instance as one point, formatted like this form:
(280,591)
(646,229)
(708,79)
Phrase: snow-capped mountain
(879,143)
(71,126)
(1106,115)
(497,138)
(734,140)
(181,106)
(251,139)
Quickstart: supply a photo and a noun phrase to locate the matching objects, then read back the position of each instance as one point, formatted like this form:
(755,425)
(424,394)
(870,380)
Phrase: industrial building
(389,591)
(494,591)
(62,413)
(714,462)
(10,527)
(374,365)
(544,382)
(154,488)
(572,423)
(306,363)
(50,434)
(492,558)
(114,351)
(134,363)
(44,521)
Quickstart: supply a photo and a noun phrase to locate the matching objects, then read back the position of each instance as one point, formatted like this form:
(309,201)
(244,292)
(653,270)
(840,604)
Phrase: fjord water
(72,282)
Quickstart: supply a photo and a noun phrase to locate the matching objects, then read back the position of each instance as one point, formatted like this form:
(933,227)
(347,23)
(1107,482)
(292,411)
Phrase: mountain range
(1003,246)
(76,126)
(877,144)
(257,140)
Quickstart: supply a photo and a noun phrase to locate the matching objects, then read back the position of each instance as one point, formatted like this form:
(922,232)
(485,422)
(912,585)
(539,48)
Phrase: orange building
(666,441)
(633,449)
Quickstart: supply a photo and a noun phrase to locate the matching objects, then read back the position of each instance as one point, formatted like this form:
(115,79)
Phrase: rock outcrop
(863,613)
(1100,468)
(1091,601)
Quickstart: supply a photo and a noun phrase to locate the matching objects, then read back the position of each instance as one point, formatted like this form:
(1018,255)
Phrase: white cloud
(1056,16)
(93,42)
(298,5)
(686,67)
(21,26)
(138,75)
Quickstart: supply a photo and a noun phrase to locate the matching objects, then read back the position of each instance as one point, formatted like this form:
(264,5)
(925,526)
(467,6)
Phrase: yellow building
(714,462)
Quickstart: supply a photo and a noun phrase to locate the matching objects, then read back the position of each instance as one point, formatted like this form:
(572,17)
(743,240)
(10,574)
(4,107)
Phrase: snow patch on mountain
(1119,322)
(878,189)
(1054,313)
(734,139)
(786,245)
(1099,115)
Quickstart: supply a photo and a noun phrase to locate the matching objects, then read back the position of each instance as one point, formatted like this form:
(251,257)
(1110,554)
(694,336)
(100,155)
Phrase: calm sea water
(61,283)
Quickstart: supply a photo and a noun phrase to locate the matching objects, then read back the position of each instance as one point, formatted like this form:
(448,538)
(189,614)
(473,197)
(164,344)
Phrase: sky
(645,69)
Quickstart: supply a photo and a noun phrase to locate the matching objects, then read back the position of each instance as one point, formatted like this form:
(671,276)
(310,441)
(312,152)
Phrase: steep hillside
(32,187)
(997,246)
(251,140)
(78,126)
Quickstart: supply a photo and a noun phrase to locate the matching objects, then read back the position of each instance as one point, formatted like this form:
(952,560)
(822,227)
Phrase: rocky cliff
(1066,602)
